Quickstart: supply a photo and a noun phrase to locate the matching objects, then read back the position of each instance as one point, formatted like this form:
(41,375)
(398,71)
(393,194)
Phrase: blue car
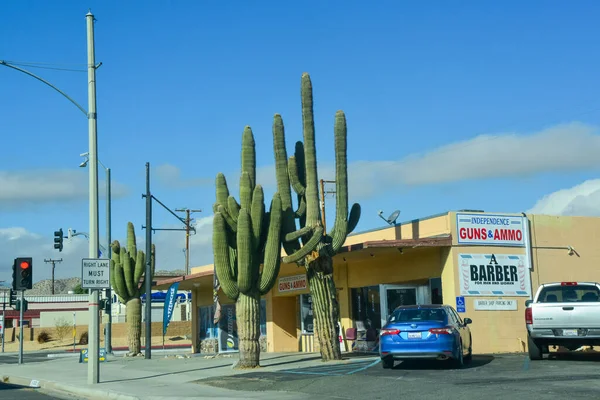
(433,332)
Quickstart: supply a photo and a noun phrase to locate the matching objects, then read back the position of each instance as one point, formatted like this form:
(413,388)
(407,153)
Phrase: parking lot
(575,376)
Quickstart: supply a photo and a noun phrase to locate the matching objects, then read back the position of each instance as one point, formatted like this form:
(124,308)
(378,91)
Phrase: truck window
(575,293)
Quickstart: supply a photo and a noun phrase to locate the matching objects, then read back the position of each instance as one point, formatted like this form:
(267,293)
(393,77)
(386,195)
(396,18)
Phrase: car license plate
(414,335)
(569,332)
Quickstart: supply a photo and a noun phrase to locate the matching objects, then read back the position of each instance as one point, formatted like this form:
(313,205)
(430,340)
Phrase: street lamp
(108,241)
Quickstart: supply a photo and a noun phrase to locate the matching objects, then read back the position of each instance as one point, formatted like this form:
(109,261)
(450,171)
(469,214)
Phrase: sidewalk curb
(89,393)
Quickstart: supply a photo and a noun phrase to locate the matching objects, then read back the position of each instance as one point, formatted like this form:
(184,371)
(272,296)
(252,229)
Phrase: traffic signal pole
(21,327)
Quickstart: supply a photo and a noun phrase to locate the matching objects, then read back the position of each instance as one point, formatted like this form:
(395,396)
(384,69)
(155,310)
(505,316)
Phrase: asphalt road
(486,377)
(12,392)
(13,358)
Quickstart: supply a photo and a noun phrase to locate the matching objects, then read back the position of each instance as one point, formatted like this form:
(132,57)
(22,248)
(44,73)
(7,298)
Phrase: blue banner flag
(170,299)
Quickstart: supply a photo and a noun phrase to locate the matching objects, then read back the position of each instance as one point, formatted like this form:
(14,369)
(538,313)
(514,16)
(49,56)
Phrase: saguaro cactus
(127,266)
(310,246)
(244,238)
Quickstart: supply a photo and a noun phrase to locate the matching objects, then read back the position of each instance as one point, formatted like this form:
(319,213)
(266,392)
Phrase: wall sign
(490,230)
(292,283)
(495,305)
(460,304)
(493,275)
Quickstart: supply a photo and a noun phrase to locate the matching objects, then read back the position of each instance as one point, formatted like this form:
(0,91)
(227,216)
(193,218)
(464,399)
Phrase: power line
(53,266)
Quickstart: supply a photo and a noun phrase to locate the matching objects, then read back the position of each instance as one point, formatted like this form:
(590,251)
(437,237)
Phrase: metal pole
(148,277)
(108,339)
(187,242)
(3,319)
(21,327)
(323,204)
(94,328)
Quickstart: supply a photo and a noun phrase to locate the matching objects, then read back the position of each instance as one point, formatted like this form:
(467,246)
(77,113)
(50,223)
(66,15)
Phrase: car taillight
(529,316)
(568,283)
(441,331)
(389,332)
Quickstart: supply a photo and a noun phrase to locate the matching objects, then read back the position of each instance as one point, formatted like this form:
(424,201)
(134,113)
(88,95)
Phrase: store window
(208,330)
(306,314)
(435,285)
(366,309)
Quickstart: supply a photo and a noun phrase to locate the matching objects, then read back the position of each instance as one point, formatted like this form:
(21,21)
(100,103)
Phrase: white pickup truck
(563,314)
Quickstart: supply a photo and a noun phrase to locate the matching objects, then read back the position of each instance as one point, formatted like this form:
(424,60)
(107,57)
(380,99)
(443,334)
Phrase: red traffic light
(24,265)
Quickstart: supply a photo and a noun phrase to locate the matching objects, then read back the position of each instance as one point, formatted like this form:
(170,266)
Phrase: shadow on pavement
(575,356)
(478,361)
(169,373)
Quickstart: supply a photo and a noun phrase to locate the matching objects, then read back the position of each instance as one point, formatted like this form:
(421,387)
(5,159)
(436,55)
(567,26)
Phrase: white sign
(494,275)
(1,324)
(495,305)
(490,230)
(95,273)
(292,283)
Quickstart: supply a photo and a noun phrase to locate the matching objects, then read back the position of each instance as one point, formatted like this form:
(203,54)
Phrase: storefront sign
(490,230)
(292,283)
(493,274)
(495,305)
(228,333)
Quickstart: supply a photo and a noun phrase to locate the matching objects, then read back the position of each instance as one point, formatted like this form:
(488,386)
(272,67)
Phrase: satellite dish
(391,220)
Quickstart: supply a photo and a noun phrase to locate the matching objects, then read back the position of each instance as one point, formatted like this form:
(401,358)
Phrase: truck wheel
(535,351)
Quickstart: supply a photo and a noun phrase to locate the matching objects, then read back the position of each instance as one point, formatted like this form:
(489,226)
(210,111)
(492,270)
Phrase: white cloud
(579,200)
(562,147)
(34,187)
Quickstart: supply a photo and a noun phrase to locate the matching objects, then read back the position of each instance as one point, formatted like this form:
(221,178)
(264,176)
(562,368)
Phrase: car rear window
(573,293)
(418,314)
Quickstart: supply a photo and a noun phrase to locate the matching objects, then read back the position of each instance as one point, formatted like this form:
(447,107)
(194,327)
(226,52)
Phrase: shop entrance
(392,296)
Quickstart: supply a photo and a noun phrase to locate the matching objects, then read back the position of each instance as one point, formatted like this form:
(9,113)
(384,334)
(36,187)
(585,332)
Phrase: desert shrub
(62,328)
(43,337)
(83,339)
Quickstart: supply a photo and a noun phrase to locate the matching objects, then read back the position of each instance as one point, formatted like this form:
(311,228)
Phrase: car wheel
(469,357)
(535,351)
(459,361)
(387,363)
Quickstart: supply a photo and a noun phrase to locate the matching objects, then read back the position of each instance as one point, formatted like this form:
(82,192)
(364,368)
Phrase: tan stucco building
(484,264)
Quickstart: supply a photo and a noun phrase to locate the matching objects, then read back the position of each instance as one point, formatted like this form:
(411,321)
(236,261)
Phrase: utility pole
(94,318)
(53,266)
(323,193)
(187,221)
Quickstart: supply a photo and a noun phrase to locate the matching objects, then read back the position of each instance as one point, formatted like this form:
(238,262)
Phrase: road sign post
(95,275)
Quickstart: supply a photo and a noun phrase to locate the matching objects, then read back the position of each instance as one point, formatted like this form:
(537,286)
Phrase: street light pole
(108,338)
(94,328)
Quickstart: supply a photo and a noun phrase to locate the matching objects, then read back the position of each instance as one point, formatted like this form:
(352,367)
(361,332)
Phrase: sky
(450,105)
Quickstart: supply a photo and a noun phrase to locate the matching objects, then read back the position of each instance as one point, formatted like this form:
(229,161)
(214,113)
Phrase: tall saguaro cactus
(310,246)
(245,237)
(127,267)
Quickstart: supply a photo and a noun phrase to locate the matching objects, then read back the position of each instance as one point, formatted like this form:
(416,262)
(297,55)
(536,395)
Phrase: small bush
(62,327)
(43,337)
(83,339)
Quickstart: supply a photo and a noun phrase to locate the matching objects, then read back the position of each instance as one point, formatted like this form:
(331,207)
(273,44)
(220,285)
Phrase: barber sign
(494,275)
(490,230)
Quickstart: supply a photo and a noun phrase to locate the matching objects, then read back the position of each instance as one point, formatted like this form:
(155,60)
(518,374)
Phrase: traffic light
(24,273)
(105,305)
(24,305)
(13,298)
(58,239)
(14,275)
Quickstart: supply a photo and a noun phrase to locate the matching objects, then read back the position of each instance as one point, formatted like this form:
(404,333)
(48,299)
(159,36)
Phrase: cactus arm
(340,227)
(246,271)
(221,258)
(294,178)
(222,189)
(310,153)
(128,267)
(297,234)
(233,207)
(249,155)
(230,221)
(140,265)
(288,223)
(272,261)
(354,217)
(245,190)
(301,211)
(257,213)
(120,286)
(308,248)
(131,245)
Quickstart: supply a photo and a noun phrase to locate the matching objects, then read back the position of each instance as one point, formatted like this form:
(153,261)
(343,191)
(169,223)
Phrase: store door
(393,296)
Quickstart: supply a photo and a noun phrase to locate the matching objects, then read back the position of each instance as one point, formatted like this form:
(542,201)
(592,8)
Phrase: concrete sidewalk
(162,377)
